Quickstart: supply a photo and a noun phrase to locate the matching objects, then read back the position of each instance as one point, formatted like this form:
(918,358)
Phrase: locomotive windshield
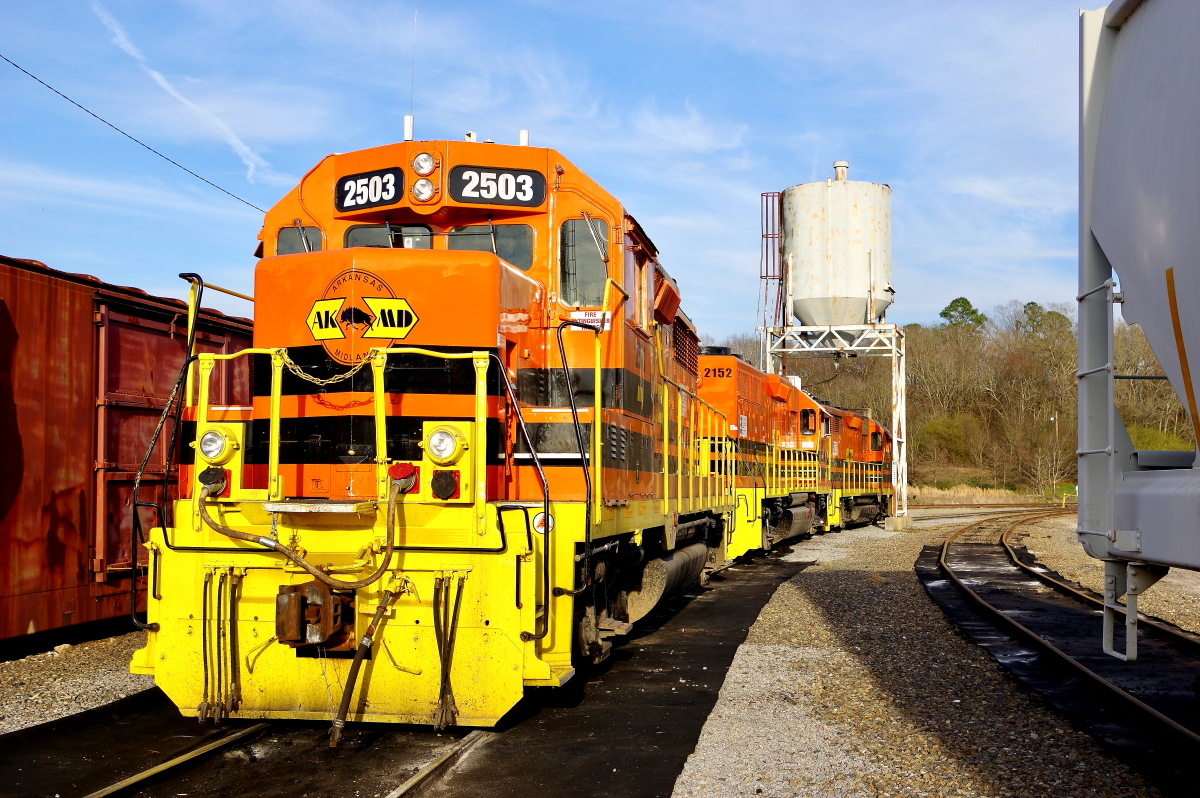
(408,236)
(512,242)
(808,422)
(290,243)
(583,269)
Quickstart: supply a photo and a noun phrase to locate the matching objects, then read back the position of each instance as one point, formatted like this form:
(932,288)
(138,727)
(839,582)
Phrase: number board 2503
(369,189)
(488,185)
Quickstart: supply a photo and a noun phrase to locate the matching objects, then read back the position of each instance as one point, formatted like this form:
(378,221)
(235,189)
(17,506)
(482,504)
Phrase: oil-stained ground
(628,727)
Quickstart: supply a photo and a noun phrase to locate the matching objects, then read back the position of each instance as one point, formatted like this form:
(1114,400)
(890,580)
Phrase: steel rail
(998,506)
(963,514)
(1029,635)
(1023,517)
(176,761)
(998,515)
(1082,595)
(438,765)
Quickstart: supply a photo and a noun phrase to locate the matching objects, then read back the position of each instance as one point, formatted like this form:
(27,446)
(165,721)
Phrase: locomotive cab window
(290,243)
(876,442)
(407,236)
(825,425)
(511,242)
(583,272)
(808,422)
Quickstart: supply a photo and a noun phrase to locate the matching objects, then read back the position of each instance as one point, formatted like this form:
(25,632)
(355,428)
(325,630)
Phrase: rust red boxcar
(85,370)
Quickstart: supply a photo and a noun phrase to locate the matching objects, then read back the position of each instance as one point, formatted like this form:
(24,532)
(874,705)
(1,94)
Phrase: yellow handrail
(377,359)
(597,423)
(702,416)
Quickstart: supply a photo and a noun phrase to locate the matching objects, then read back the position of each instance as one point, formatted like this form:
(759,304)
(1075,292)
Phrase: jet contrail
(249,157)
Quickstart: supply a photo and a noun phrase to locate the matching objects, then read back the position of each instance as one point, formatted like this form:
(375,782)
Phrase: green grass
(1064,489)
(1154,439)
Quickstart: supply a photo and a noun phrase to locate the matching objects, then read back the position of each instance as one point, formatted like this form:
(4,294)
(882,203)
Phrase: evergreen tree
(961,313)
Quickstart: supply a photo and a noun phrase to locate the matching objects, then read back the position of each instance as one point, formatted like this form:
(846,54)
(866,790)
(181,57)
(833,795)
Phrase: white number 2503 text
(380,188)
(497,185)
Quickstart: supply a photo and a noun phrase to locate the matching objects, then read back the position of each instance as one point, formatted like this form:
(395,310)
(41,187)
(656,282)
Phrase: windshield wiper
(587,220)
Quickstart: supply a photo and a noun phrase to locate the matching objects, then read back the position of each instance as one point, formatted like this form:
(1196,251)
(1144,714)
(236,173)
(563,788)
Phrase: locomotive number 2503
(369,189)
(486,185)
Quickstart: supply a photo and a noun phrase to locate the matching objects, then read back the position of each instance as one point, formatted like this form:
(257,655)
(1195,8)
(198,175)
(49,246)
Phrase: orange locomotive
(477,450)
(801,465)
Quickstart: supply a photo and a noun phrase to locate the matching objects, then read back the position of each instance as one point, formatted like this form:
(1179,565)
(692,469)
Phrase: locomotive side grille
(687,349)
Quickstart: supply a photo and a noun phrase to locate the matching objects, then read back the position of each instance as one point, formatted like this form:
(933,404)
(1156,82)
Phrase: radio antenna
(412,86)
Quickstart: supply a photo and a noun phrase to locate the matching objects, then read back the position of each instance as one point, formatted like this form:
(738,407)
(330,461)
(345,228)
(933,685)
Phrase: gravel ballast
(852,682)
(57,683)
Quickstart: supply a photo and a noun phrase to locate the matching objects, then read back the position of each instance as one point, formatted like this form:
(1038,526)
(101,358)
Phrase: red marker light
(403,471)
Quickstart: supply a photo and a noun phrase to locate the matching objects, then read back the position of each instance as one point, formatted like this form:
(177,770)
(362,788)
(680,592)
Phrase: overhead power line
(131,138)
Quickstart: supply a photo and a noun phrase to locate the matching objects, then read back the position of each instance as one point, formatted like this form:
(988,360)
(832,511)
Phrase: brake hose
(364,645)
(275,545)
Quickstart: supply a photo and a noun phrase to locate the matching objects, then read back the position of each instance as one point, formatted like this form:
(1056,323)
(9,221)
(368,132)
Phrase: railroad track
(177,761)
(668,678)
(974,513)
(451,752)
(1047,632)
(142,746)
(994,507)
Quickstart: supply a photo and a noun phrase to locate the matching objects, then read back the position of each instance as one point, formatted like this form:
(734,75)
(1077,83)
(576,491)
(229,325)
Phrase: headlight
(212,444)
(444,446)
(216,446)
(422,190)
(423,164)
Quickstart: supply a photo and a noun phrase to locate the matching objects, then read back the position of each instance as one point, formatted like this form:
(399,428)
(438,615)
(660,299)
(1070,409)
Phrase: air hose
(364,645)
(275,545)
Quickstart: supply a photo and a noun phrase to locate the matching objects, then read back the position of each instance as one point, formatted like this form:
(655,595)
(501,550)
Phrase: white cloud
(253,161)
(120,38)
(688,131)
(1032,194)
(684,111)
(31,184)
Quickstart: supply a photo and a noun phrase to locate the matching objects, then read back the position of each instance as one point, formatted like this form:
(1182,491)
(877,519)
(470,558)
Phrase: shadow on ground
(876,657)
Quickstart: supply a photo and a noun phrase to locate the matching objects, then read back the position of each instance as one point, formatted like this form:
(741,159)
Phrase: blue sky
(684,111)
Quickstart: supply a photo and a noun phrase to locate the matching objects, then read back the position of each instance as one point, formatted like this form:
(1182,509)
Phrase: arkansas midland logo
(349,324)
